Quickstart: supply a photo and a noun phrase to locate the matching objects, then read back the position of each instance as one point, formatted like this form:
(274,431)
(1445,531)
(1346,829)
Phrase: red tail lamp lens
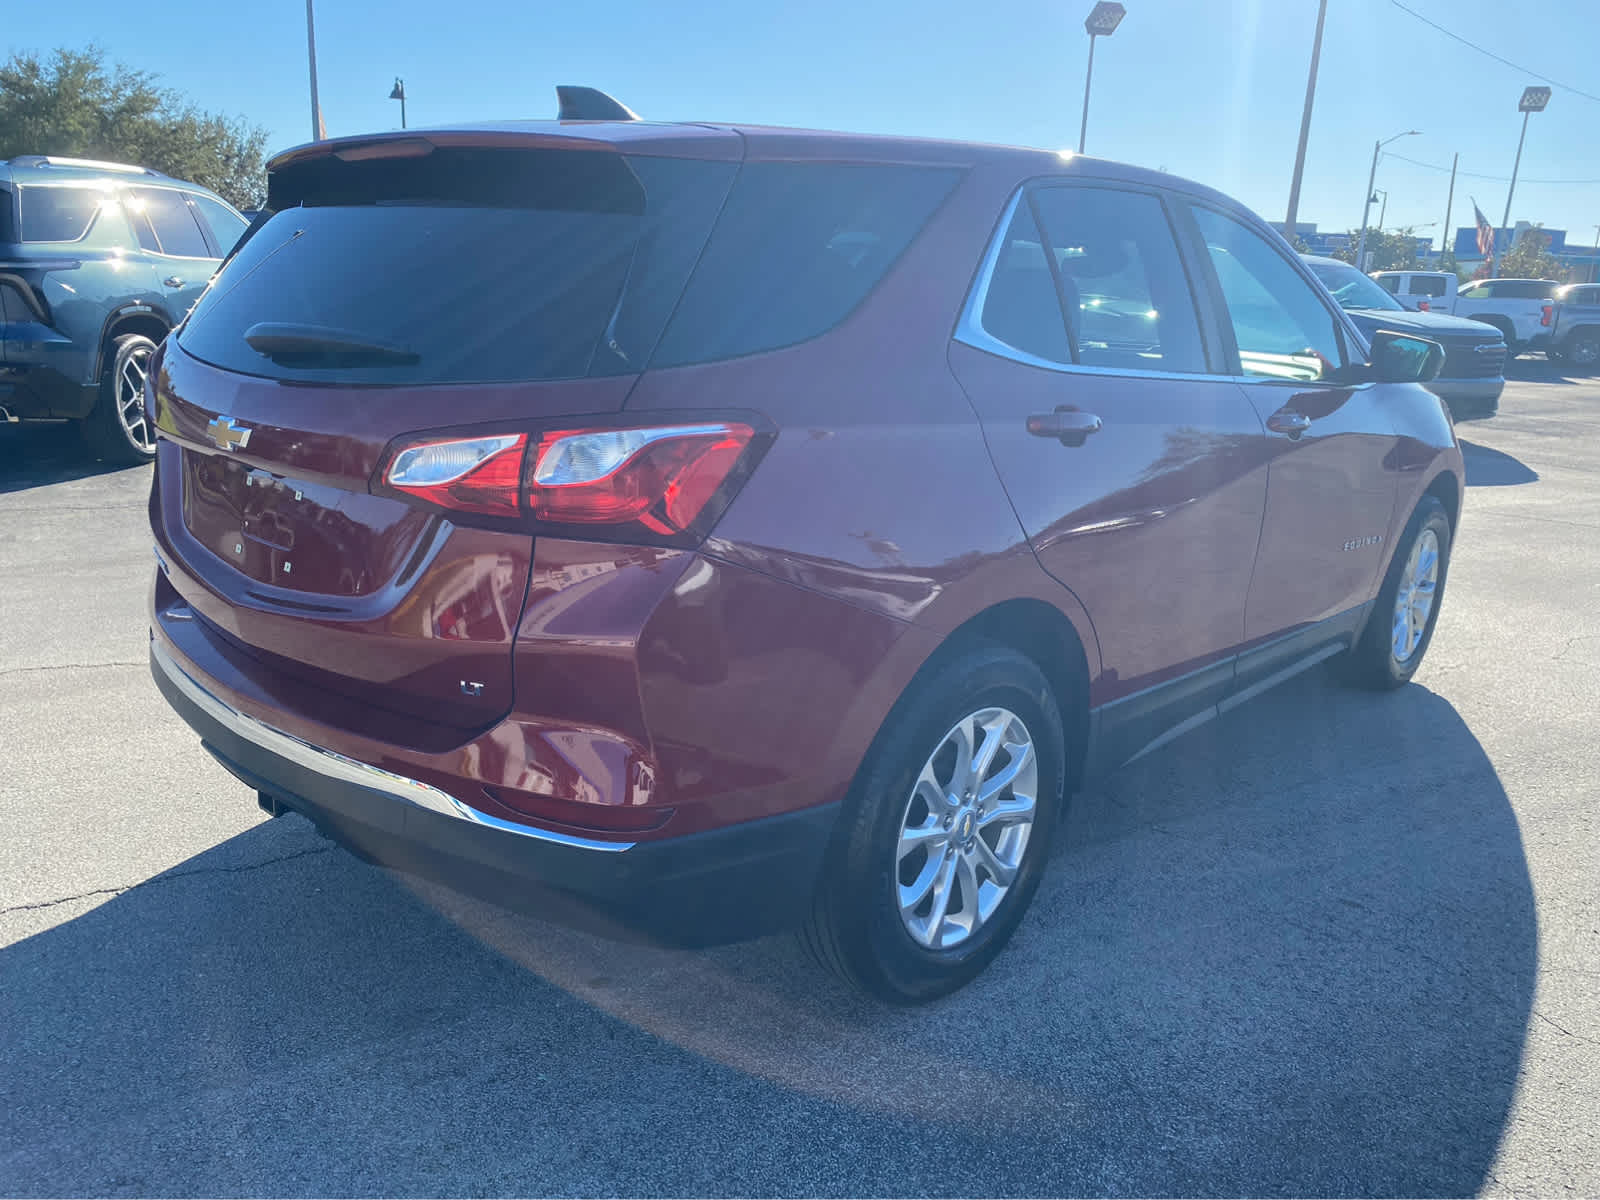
(661,478)
(476,475)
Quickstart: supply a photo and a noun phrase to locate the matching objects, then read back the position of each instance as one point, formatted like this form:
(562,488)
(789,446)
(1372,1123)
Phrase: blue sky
(1210,89)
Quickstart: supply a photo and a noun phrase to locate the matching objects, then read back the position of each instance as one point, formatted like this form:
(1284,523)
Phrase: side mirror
(1404,358)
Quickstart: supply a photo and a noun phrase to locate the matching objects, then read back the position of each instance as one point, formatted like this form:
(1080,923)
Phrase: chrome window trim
(347,770)
(970,330)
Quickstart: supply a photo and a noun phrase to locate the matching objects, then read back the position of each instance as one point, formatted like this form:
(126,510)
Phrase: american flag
(1485,233)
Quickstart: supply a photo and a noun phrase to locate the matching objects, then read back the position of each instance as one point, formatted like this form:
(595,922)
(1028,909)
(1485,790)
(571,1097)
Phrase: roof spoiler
(590,104)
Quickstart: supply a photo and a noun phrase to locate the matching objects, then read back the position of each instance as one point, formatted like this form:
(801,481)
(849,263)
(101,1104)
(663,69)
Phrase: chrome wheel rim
(1414,602)
(130,398)
(1585,352)
(965,828)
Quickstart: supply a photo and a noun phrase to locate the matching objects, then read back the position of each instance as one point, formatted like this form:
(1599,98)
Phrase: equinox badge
(226,434)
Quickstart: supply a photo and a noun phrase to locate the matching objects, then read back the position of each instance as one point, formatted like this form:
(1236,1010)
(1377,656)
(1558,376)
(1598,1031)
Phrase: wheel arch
(137,318)
(1446,488)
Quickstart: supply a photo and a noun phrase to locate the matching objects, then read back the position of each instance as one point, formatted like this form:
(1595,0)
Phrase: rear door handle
(1287,421)
(1069,426)
(172,281)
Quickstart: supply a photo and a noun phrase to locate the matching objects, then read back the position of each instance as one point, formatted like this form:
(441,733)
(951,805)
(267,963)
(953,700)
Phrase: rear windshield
(475,266)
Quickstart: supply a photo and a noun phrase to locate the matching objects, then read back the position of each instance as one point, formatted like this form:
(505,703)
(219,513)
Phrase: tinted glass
(174,223)
(797,247)
(1427,285)
(142,229)
(1122,279)
(225,225)
(1283,329)
(1477,292)
(1021,307)
(485,265)
(1352,289)
(59,214)
(1389,283)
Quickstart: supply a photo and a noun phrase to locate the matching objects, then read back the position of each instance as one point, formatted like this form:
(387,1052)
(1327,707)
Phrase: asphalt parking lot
(1332,944)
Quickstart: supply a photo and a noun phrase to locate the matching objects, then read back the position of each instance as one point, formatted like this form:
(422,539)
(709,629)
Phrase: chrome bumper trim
(347,770)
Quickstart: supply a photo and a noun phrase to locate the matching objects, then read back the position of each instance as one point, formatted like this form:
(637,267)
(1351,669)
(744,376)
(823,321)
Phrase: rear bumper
(698,889)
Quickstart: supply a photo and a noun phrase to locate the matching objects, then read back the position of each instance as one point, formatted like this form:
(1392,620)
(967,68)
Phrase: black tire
(1373,662)
(855,927)
(115,431)
(1582,350)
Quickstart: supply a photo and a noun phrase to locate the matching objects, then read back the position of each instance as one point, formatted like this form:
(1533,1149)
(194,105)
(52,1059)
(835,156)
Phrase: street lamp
(398,92)
(1372,175)
(1383,211)
(1101,22)
(1533,100)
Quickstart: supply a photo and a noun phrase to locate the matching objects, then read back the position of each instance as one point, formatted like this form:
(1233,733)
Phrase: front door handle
(1069,426)
(1287,421)
(172,281)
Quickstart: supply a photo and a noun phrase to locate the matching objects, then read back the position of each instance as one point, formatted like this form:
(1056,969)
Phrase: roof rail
(590,104)
(87,164)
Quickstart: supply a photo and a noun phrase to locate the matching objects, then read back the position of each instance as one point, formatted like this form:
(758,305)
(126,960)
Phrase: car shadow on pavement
(1293,952)
(1546,370)
(1487,467)
(35,454)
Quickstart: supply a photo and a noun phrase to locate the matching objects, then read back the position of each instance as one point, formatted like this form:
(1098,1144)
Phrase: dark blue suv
(97,262)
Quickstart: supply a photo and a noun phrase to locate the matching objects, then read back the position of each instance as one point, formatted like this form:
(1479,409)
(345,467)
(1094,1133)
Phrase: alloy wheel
(130,398)
(965,828)
(1413,601)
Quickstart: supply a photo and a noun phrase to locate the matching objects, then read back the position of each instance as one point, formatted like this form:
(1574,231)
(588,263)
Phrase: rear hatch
(400,285)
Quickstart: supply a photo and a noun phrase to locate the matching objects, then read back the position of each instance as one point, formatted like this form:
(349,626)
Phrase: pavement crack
(136,662)
(1557,1024)
(167,877)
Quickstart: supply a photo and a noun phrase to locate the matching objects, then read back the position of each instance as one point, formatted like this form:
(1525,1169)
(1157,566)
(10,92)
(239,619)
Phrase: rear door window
(1122,281)
(1427,285)
(798,247)
(176,226)
(462,266)
(1391,284)
(223,224)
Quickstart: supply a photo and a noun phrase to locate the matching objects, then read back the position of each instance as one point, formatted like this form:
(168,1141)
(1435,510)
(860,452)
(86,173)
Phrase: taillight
(1546,314)
(1423,306)
(660,478)
(651,483)
(475,475)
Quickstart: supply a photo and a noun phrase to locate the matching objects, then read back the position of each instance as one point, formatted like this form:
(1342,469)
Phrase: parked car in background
(1575,327)
(97,262)
(1421,291)
(630,582)
(1521,309)
(1473,374)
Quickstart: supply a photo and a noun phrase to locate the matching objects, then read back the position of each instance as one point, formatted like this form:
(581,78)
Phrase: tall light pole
(1383,212)
(1449,203)
(398,92)
(311,58)
(1367,196)
(1305,125)
(1533,100)
(1101,22)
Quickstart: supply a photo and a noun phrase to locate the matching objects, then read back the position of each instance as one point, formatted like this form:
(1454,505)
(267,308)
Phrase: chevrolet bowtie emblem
(227,435)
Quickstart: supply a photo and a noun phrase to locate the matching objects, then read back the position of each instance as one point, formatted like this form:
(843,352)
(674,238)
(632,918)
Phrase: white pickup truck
(1521,309)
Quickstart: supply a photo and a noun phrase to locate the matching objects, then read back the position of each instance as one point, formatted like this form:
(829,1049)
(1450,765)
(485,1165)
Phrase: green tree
(1391,251)
(1530,258)
(73,104)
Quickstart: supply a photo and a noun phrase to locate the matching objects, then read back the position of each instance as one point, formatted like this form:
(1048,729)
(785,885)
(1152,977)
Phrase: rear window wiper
(320,346)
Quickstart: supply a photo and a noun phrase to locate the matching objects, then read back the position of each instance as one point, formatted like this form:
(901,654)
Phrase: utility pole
(1449,203)
(1594,268)
(311,57)
(1305,125)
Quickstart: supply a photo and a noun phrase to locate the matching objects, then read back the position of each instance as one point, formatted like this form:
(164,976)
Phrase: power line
(1478,175)
(1566,87)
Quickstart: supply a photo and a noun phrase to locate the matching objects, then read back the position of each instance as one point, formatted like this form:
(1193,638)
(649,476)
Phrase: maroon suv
(710,529)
